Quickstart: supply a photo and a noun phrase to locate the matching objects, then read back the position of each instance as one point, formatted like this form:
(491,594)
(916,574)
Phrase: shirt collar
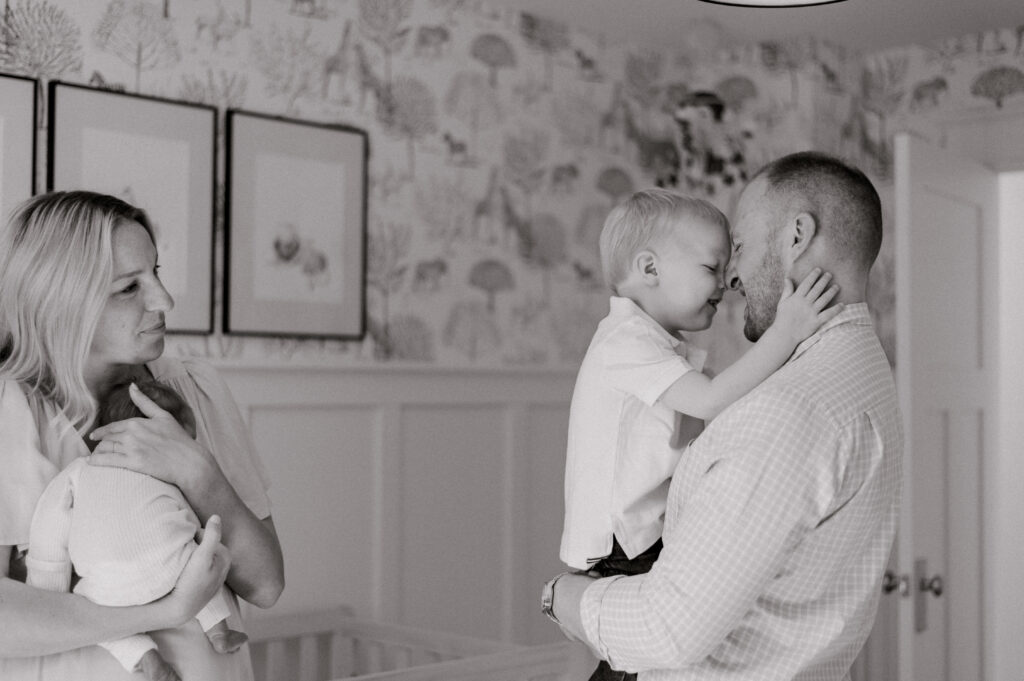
(626,307)
(853,313)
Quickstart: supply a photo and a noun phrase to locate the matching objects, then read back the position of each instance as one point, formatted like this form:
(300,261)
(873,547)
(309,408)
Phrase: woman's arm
(39,622)
(160,447)
(257,564)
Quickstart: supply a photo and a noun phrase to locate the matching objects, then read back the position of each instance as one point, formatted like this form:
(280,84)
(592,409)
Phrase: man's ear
(645,264)
(800,233)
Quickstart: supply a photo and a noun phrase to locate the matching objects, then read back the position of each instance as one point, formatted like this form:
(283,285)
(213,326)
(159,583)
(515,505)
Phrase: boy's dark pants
(616,563)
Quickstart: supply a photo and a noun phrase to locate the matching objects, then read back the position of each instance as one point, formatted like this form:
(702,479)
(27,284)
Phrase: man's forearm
(566,604)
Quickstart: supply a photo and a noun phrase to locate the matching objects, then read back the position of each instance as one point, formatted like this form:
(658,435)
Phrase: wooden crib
(333,644)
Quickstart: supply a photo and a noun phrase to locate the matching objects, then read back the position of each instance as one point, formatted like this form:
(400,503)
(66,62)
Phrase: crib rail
(334,644)
(549,662)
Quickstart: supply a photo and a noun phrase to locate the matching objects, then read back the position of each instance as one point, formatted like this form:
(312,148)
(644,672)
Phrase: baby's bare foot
(227,641)
(156,667)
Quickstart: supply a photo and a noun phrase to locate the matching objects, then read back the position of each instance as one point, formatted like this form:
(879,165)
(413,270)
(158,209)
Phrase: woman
(82,308)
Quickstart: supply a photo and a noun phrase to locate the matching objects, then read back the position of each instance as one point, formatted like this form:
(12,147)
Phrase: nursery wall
(499,140)
(498,143)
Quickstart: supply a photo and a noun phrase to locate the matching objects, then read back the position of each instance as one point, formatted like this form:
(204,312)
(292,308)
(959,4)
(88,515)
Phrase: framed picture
(18,120)
(295,228)
(159,155)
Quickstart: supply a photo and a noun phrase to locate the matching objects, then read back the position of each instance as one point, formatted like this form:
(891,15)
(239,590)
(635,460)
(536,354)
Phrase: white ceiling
(862,25)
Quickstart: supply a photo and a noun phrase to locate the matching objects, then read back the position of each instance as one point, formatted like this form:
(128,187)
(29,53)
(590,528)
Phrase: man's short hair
(840,197)
(645,217)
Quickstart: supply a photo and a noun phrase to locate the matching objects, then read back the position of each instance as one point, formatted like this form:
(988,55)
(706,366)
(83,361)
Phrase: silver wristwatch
(547,598)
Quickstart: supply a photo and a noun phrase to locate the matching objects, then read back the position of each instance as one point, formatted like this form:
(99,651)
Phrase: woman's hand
(156,445)
(202,576)
(160,447)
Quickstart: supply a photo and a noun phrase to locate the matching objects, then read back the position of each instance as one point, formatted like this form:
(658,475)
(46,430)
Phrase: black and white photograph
(511,340)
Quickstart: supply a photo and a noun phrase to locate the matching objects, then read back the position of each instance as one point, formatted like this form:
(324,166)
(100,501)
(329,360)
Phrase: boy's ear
(646,266)
(800,233)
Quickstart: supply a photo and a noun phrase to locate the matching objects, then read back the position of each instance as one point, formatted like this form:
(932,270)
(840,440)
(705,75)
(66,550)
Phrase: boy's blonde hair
(645,217)
(56,264)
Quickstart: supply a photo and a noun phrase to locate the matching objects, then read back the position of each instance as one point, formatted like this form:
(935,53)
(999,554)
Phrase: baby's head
(117,404)
(668,253)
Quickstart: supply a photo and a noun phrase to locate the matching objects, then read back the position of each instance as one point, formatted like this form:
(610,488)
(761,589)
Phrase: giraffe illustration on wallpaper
(516,226)
(336,68)
(488,211)
(371,83)
(218,28)
(657,155)
(611,132)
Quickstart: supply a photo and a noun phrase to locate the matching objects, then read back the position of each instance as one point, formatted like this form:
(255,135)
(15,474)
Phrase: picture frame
(294,227)
(19,121)
(159,155)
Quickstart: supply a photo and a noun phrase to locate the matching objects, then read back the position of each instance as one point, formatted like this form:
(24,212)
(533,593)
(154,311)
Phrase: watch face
(547,600)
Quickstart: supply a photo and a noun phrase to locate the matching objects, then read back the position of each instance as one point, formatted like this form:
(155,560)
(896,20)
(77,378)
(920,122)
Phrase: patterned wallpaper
(500,140)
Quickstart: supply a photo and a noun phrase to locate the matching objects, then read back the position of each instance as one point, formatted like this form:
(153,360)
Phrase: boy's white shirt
(620,458)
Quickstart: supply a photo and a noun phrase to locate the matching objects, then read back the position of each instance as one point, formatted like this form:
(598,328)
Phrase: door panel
(946,215)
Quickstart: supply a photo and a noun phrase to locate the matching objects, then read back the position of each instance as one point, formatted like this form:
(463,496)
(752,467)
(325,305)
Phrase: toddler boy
(664,257)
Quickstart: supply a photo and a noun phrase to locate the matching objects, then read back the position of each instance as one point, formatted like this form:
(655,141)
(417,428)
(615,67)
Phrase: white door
(946,285)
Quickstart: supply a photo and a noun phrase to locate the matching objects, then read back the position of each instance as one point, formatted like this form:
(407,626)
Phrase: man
(782,514)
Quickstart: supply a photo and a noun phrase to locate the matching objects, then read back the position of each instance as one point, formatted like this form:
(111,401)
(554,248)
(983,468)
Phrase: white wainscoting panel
(424,496)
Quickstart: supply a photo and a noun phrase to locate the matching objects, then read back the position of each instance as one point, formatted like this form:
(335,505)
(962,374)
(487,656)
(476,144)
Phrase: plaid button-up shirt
(779,524)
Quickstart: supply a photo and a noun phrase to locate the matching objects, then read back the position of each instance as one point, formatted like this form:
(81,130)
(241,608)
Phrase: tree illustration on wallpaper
(998,83)
(786,57)
(492,277)
(443,206)
(495,53)
(223,89)
(547,36)
(413,114)
(41,41)
(381,23)
(576,119)
(525,154)
(641,78)
(882,88)
(386,263)
(289,62)
(472,329)
(549,247)
(473,102)
(136,32)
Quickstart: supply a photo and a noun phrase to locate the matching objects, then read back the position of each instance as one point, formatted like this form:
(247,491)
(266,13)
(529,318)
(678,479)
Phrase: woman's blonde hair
(56,264)
(643,218)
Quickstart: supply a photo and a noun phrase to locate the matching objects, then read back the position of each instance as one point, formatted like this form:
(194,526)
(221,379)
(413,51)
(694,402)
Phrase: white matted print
(18,101)
(295,228)
(126,176)
(156,154)
(296,260)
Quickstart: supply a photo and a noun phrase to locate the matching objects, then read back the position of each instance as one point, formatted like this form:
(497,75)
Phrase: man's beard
(763,294)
